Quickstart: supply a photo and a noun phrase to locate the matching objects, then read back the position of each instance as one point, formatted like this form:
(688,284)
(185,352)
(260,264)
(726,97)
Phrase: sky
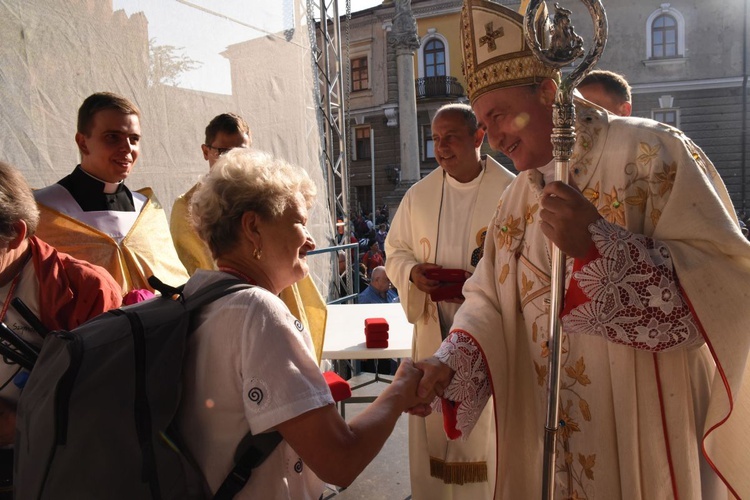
(202,30)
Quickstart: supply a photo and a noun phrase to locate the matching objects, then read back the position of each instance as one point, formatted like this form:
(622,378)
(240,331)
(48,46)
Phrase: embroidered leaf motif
(526,285)
(530,211)
(613,209)
(534,332)
(509,231)
(639,199)
(541,373)
(577,372)
(648,153)
(666,177)
(588,464)
(592,194)
(585,410)
(504,274)
(568,458)
(568,425)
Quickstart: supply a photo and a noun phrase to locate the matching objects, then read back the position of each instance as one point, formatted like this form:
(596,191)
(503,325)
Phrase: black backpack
(95,419)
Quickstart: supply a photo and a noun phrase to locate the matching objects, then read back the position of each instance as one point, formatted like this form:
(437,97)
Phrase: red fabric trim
(574,297)
(664,428)
(720,369)
(450,416)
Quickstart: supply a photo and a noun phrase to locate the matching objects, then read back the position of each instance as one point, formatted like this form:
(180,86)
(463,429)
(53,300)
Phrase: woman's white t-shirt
(249,365)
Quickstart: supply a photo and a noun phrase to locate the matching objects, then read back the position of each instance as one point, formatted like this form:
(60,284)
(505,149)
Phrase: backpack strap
(251,452)
(202,296)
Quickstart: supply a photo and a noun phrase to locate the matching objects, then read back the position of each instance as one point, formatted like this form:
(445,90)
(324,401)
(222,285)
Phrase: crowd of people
(654,390)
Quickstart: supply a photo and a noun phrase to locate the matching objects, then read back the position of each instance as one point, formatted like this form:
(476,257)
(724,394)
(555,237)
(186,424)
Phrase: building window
(362,143)
(360,80)
(428,145)
(664,37)
(665,33)
(434,58)
(667,116)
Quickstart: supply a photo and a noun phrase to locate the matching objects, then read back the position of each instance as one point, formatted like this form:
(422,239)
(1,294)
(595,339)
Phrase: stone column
(405,41)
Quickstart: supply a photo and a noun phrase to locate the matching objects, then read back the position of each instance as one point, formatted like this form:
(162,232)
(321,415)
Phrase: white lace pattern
(635,296)
(470,387)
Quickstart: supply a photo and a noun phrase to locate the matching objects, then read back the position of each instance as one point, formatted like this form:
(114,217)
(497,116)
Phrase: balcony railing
(438,87)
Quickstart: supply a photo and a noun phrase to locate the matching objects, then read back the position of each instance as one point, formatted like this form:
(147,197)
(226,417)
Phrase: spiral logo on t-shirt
(298,325)
(256,395)
(298,466)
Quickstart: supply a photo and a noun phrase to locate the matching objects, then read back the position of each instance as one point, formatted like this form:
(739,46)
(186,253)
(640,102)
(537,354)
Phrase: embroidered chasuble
(452,236)
(302,298)
(655,387)
(130,245)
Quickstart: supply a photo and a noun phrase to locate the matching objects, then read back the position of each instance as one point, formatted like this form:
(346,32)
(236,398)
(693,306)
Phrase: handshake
(419,383)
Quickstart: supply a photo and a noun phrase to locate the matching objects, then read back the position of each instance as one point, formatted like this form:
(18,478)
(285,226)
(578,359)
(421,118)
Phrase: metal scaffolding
(331,94)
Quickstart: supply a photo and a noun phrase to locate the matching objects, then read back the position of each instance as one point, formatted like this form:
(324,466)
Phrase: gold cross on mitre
(490,36)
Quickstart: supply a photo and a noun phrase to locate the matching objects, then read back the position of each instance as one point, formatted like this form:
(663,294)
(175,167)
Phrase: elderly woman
(250,364)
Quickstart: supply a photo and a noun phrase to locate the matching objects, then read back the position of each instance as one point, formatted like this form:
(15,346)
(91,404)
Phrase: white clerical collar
(109,187)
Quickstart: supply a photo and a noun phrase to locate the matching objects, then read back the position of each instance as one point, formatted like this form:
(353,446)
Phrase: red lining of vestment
(726,386)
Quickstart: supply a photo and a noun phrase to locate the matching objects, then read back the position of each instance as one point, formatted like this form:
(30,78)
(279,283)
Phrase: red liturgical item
(445,292)
(446,275)
(376,325)
(376,344)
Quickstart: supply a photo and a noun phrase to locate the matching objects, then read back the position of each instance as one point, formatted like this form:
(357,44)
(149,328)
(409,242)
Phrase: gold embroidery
(639,199)
(504,274)
(426,249)
(541,374)
(648,153)
(612,209)
(526,286)
(666,177)
(568,425)
(592,195)
(585,410)
(530,211)
(588,464)
(577,372)
(509,231)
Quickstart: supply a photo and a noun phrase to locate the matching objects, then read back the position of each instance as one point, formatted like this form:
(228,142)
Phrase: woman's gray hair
(16,203)
(245,180)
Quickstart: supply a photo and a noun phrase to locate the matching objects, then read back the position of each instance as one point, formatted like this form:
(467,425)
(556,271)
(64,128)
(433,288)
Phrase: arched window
(665,34)
(664,37)
(434,58)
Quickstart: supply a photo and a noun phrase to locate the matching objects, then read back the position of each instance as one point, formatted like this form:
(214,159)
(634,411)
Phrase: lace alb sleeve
(634,296)
(470,388)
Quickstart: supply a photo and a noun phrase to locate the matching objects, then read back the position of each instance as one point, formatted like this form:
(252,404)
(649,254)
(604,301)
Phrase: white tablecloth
(345,332)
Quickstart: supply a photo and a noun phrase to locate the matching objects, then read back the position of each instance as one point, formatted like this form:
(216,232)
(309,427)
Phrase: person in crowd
(224,133)
(380,237)
(441,222)
(92,215)
(373,257)
(654,399)
(379,291)
(62,292)
(609,90)
(250,364)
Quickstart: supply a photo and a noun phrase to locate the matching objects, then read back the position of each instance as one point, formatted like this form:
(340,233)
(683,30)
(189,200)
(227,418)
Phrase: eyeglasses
(221,151)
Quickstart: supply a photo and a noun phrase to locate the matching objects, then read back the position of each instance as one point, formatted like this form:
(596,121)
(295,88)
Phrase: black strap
(251,452)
